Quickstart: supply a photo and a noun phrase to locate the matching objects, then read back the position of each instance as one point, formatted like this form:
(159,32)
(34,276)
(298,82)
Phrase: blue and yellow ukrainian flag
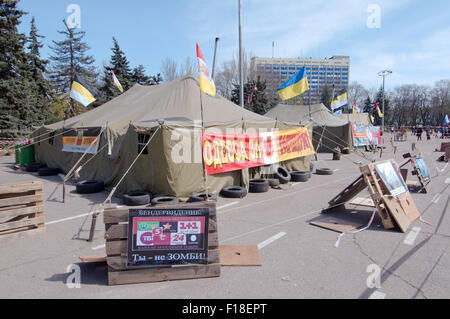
(83,92)
(294,86)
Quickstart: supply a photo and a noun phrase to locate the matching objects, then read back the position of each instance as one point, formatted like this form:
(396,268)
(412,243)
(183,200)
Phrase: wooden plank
(149,275)
(336,224)
(117,263)
(20,200)
(20,187)
(24,210)
(356,187)
(22,234)
(93,259)
(22,223)
(240,256)
(361,201)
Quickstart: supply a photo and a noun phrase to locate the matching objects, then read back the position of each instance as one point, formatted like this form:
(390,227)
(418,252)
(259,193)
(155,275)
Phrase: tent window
(51,139)
(142,142)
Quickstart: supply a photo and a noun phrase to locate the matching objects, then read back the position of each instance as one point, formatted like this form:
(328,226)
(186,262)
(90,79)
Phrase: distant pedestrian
(419,132)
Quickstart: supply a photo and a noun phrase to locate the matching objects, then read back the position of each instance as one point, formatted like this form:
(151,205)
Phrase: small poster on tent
(158,237)
(229,152)
(364,135)
(79,140)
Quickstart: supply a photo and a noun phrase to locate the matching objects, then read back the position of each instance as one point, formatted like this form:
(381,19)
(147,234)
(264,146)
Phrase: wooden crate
(116,225)
(21,210)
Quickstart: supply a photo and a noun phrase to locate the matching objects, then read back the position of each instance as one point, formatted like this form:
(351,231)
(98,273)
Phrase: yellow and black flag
(83,92)
(339,100)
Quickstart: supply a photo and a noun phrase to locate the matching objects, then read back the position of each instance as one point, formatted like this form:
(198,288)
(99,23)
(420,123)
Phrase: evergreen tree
(70,58)
(326,97)
(41,86)
(14,70)
(368,106)
(259,103)
(379,100)
(140,77)
(121,67)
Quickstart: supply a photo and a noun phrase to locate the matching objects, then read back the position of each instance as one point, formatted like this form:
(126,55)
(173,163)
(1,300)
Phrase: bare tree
(357,93)
(169,69)
(228,74)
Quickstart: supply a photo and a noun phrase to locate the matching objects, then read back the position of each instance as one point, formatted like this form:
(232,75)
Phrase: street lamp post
(384,74)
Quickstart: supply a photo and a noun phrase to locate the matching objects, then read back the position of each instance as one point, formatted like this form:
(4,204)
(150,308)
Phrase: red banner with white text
(229,152)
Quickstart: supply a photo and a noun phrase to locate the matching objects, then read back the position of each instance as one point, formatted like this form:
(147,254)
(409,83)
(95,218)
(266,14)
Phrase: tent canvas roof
(358,119)
(300,114)
(175,102)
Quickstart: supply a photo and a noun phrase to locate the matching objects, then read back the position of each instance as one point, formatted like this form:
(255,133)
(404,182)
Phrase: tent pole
(203,160)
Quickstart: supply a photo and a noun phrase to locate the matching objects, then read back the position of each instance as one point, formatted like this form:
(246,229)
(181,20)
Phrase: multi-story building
(321,73)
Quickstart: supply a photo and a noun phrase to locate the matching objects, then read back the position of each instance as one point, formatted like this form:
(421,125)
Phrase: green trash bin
(25,155)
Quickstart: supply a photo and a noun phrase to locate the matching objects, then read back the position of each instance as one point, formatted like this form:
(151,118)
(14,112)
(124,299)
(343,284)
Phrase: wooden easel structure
(398,211)
(423,182)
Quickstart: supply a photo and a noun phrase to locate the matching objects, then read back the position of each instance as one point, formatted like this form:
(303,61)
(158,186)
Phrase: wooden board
(93,259)
(116,226)
(240,256)
(21,210)
(336,224)
(361,201)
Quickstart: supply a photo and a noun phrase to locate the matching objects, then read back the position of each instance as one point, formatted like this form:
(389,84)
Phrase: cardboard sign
(80,139)
(158,237)
(229,152)
(366,135)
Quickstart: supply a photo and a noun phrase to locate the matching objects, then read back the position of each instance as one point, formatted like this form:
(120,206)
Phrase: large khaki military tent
(329,130)
(357,119)
(169,114)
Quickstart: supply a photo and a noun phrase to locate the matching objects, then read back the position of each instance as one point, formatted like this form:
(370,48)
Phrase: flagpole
(241,65)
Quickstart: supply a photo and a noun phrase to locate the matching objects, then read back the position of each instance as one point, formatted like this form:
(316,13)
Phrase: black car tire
(234,192)
(34,167)
(283,175)
(324,171)
(90,187)
(165,200)
(137,198)
(300,176)
(200,197)
(49,171)
(273,182)
(259,186)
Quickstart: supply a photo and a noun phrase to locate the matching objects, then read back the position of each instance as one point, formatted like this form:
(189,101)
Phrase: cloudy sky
(410,37)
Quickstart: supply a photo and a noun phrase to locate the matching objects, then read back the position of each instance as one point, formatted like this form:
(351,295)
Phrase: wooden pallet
(400,211)
(116,228)
(21,210)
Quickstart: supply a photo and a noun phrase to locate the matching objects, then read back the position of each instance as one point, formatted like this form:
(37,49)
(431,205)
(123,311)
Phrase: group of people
(419,130)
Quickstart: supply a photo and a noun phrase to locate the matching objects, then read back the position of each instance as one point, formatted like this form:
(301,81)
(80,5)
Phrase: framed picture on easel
(391,178)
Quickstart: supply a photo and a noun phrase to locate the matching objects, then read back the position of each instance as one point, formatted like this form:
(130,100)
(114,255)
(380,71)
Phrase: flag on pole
(339,100)
(372,118)
(206,83)
(355,108)
(378,110)
(250,96)
(83,92)
(116,81)
(446,120)
(294,86)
